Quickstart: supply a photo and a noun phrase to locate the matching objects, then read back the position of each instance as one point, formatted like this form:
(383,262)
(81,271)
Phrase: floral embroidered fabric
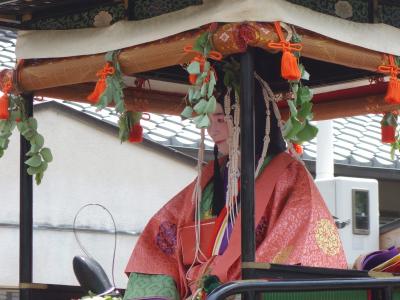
(166,238)
(144,9)
(355,10)
(142,286)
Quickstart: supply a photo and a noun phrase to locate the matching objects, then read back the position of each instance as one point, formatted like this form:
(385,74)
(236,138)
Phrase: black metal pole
(26,214)
(247,159)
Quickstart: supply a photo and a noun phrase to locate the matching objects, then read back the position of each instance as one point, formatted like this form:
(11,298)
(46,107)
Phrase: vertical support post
(26,214)
(247,159)
(325,165)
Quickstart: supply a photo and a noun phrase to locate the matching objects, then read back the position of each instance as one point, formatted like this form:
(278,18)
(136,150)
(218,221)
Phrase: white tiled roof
(357,141)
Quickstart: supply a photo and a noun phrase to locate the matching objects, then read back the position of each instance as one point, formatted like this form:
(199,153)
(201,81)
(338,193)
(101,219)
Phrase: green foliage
(298,128)
(126,121)
(114,94)
(37,156)
(201,94)
(389,119)
(6,128)
(231,70)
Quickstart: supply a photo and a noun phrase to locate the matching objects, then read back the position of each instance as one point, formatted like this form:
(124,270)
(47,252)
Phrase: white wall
(90,166)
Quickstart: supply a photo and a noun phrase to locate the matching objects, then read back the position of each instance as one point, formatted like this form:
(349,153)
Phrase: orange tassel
(101,85)
(289,67)
(98,90)
(393,91)
(4,103)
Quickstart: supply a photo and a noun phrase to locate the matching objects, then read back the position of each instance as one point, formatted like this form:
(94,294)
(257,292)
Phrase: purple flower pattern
(166,238)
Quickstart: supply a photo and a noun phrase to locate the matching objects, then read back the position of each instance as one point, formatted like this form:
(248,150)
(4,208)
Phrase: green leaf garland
(298,128)
(38,157)
(203,78)
(113,94)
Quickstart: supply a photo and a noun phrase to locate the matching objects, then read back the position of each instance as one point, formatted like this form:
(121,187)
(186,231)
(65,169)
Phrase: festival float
(322,61)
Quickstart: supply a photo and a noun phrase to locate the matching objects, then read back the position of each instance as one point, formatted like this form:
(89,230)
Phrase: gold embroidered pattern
(327,237)
(282,256)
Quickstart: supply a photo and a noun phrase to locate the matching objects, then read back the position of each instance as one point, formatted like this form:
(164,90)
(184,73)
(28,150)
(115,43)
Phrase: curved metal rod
(238,287)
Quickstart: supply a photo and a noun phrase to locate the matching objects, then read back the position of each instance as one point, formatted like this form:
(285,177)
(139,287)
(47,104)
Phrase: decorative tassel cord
(115,236)
(267,92)
(268,97)
(196,198)
(234,154)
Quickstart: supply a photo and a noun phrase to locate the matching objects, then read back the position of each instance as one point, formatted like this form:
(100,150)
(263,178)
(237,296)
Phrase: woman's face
(218,130)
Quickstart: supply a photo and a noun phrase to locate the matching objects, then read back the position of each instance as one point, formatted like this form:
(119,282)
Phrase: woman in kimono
(294,225)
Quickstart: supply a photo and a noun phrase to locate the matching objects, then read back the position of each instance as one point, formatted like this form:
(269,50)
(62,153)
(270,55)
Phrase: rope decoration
(393,91)
(289,65)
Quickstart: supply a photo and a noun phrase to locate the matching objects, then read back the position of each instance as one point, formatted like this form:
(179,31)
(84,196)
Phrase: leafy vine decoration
(109,90)
(298,128)
(203,78)
(38,156)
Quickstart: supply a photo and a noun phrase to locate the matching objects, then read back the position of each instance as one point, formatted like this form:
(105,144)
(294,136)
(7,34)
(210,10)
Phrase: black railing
(381,288)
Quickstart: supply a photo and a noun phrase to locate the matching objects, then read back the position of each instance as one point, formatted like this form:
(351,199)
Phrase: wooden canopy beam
(136,99)
(161,102)
(48,73)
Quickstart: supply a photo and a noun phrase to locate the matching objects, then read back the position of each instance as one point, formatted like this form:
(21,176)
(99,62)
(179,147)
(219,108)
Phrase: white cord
(115,236)
(196,199)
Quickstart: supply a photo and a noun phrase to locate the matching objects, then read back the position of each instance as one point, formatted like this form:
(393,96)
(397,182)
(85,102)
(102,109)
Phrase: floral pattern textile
(295,225)
(79,20)
(142,285)
(355,10)
(359,8)
(166,238)
(144,9)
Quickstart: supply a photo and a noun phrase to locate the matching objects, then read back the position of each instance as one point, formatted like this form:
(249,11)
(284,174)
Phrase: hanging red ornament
(136,134)
(388,133)
(5,101)
(298,148)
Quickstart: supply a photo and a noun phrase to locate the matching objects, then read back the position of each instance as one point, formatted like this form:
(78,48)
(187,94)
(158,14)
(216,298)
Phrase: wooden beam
(173,103)
(374,104)
(136,99)
(75,70)
(49,73)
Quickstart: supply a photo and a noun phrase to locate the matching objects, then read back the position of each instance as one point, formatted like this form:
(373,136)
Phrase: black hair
(276,144)
(219,191)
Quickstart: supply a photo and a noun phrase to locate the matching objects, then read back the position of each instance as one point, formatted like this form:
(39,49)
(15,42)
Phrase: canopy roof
(335,50)
(377,37)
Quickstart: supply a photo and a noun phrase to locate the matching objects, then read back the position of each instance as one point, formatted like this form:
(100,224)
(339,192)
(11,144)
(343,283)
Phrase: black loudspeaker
(92,277)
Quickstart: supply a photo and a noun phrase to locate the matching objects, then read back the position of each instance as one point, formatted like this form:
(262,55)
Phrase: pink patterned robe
(295,228)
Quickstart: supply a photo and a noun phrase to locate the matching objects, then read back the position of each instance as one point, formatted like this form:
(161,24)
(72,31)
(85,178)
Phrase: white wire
(115,236)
